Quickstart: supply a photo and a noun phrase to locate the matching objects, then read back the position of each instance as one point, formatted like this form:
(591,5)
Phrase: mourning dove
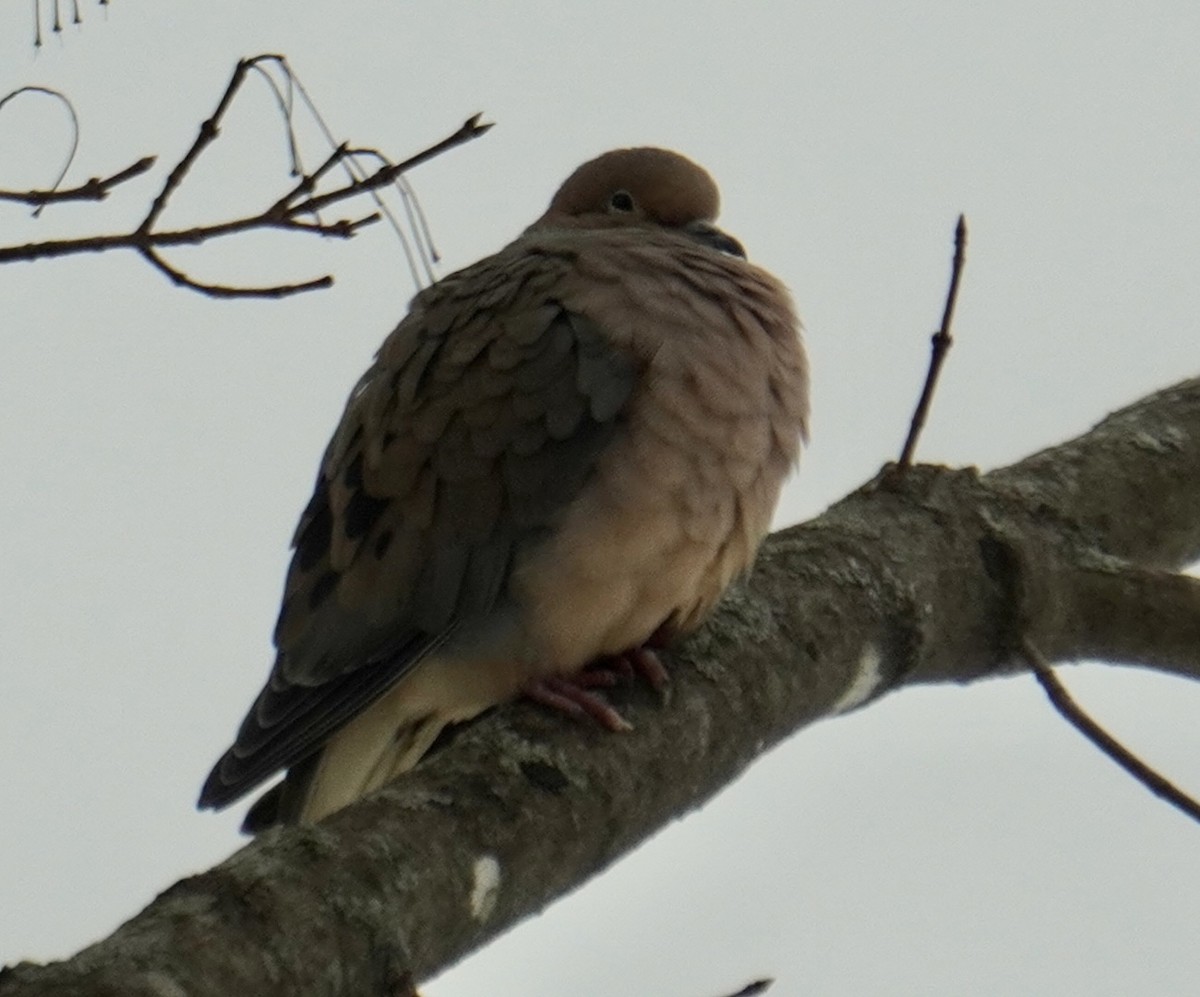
(569,447)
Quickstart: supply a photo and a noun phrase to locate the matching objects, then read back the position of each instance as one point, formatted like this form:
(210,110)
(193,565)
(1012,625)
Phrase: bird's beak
(711,236)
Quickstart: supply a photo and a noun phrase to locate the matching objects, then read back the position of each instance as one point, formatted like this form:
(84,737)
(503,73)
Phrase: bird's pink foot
(577,700)
(646,664)
(575,696)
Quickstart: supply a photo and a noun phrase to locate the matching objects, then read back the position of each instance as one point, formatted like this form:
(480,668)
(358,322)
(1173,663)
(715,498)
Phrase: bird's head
(641,188)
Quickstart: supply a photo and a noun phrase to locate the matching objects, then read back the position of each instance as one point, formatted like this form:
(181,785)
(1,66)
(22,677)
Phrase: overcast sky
(157,448)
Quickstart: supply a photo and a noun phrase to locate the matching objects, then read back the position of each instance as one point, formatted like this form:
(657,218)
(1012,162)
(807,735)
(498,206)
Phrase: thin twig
(65,101)
(1074,715)
(940,346)
(342,229)
(402,187)
(209,129)
(470,129)
(286,107)
(297,210)
(308,182)
(175,237)
(757,987)
(95,189)
(354,171)
(224,291)
(273,217)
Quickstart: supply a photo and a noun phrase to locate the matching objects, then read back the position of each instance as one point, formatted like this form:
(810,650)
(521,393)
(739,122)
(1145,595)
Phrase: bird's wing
(483,415)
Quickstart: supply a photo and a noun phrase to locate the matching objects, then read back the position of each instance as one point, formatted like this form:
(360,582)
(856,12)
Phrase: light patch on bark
(1169,440)
(486,887)
(866,680)
(163,985)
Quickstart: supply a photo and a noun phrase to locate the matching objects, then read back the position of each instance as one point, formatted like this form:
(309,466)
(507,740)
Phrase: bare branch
(470,129)
(309,181)
(343,229)
(289,213)
(285,217)
(1131,480)
(940,346)
(225,291)
(95,189)
(935,579)
(209,130)
(1108,744)
(1136,614)
(425,249)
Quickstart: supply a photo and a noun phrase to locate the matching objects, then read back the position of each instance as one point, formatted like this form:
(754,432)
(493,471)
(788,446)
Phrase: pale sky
(158,446)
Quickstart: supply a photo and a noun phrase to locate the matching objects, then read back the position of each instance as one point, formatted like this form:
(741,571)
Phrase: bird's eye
(621,200)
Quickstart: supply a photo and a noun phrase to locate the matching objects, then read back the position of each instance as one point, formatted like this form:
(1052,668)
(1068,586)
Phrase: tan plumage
(569,446)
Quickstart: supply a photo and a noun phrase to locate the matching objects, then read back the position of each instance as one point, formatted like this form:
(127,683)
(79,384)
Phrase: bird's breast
(683,495)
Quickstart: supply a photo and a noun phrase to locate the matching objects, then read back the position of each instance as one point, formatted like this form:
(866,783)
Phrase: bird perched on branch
(561,453)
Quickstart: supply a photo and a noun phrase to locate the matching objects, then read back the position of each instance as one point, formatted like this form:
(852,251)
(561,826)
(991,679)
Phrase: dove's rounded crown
(632,186)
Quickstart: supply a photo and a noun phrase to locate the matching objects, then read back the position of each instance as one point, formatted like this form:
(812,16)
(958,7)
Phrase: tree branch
(289,213)
(1071,712)
(938,577)
(95,189)
(940,344)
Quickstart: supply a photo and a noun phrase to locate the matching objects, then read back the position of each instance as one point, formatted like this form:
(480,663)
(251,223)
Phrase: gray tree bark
(934,576)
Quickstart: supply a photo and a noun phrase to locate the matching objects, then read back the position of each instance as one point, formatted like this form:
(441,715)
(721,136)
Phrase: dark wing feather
(480,420)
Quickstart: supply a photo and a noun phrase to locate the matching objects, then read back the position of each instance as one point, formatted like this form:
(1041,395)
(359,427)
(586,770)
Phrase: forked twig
(1077,718)
(298,210)
(209,129)
(939,346)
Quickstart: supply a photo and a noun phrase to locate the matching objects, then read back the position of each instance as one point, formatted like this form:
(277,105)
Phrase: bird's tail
(365,755)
